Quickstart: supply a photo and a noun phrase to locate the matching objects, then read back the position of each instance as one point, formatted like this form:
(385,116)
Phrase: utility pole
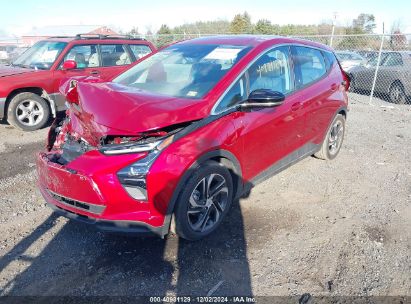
(333,28)
(378,64)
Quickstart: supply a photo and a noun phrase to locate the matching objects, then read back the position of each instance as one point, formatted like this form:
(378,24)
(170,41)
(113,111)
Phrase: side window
(139,50)
(114,54)
(84,55)
(309,65)
(236,94)
(271,71)
(393,59)
(329,59)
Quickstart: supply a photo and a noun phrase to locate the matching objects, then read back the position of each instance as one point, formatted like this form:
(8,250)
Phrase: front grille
(96,209)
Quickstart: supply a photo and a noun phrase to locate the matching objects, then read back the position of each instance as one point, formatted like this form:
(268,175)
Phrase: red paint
(257,139)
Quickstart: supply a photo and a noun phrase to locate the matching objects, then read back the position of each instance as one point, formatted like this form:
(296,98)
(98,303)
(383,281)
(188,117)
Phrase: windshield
(186,70)
(40,56)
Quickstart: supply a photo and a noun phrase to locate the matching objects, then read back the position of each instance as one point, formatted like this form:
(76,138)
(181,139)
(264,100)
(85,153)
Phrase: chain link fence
(379,65)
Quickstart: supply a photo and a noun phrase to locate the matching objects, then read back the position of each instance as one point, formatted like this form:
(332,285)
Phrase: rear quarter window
(330,59)
(309,65)
(140,50)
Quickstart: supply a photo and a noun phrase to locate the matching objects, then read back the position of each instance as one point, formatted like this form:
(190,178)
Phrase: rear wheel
(333,140)
(397,94)
(28,111)
(204,201)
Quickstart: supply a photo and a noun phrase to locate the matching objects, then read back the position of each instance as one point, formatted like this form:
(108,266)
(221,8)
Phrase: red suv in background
(189,129)
(29,86)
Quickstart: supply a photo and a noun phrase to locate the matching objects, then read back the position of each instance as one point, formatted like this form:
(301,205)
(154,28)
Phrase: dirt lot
(324,228)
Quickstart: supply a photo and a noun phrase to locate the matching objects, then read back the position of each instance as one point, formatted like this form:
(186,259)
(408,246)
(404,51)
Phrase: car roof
(252,40)
(98,39)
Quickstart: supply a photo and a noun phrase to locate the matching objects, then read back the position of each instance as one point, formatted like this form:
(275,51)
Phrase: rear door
(390,70)
(318,87)
(115,58)
(364,76)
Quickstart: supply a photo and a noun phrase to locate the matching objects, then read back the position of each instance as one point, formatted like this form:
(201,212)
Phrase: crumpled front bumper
(87,189)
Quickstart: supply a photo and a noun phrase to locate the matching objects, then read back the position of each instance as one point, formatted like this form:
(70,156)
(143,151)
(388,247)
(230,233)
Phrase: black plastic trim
(120,227)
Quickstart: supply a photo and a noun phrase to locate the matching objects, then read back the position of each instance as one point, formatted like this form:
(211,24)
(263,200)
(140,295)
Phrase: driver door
(87,57)
(267,135)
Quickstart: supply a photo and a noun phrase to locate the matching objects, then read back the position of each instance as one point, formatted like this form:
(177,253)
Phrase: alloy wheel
(335,137)
(29,112)
(207,202)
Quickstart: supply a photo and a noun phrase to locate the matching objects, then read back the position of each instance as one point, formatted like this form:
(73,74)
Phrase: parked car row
(29,93)
(393,77)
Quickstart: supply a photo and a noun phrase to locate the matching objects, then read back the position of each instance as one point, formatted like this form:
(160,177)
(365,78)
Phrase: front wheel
(28,111)
(333,140)
(204,201)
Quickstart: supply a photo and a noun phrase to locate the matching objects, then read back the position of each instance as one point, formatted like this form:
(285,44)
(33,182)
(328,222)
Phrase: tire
(333,140)
(28,111)
(397,94)
(197,214)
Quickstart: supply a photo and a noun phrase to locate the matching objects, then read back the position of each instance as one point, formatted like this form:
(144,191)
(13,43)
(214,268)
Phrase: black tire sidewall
(182,226)
(16,100)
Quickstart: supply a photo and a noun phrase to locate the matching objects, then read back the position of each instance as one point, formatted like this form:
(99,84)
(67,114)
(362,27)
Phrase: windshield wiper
(18,65)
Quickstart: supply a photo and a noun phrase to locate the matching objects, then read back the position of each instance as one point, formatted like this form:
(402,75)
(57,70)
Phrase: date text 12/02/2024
(187,299)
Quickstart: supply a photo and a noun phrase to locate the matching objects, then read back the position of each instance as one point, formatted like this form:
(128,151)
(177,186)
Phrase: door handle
(296,106)
(334,87)
(94,72)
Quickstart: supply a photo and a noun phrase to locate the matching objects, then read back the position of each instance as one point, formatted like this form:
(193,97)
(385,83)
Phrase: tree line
(242,24)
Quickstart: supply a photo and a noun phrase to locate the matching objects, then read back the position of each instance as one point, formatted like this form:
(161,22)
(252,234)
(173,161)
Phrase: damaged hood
(8,70)
(109,108)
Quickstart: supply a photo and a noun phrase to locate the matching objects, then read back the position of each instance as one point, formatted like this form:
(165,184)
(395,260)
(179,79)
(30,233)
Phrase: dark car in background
(29,86)
(394,76)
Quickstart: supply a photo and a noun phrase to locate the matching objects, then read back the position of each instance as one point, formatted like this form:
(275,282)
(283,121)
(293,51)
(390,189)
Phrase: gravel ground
(324,228)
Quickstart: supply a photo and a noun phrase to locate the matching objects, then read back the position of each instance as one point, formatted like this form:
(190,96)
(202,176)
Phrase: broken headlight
(133,177)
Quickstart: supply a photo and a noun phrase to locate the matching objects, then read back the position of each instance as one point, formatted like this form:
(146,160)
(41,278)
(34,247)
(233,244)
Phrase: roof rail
(100,36)
(62,37)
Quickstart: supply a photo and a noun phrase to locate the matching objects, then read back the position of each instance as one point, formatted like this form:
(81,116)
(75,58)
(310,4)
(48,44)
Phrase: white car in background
(348,59)
(3,56)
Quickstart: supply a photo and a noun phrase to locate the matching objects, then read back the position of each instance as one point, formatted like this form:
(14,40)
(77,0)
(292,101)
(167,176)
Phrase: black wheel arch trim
(220,153)
(340,109)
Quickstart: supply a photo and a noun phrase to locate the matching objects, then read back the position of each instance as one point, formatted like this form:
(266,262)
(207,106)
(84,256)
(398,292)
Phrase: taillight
(346,81)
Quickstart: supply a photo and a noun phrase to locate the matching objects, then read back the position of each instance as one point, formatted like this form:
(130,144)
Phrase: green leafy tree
(164,36)
(364,24)
(241,24)
(264,26)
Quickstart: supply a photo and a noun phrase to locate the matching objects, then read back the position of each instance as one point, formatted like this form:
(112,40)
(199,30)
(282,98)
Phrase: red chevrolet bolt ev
(183,133)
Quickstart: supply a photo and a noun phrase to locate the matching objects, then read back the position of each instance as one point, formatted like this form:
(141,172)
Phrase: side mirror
(264,98)
(69,65)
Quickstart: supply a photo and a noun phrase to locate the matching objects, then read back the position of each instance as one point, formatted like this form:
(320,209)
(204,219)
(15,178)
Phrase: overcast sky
(19,16)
